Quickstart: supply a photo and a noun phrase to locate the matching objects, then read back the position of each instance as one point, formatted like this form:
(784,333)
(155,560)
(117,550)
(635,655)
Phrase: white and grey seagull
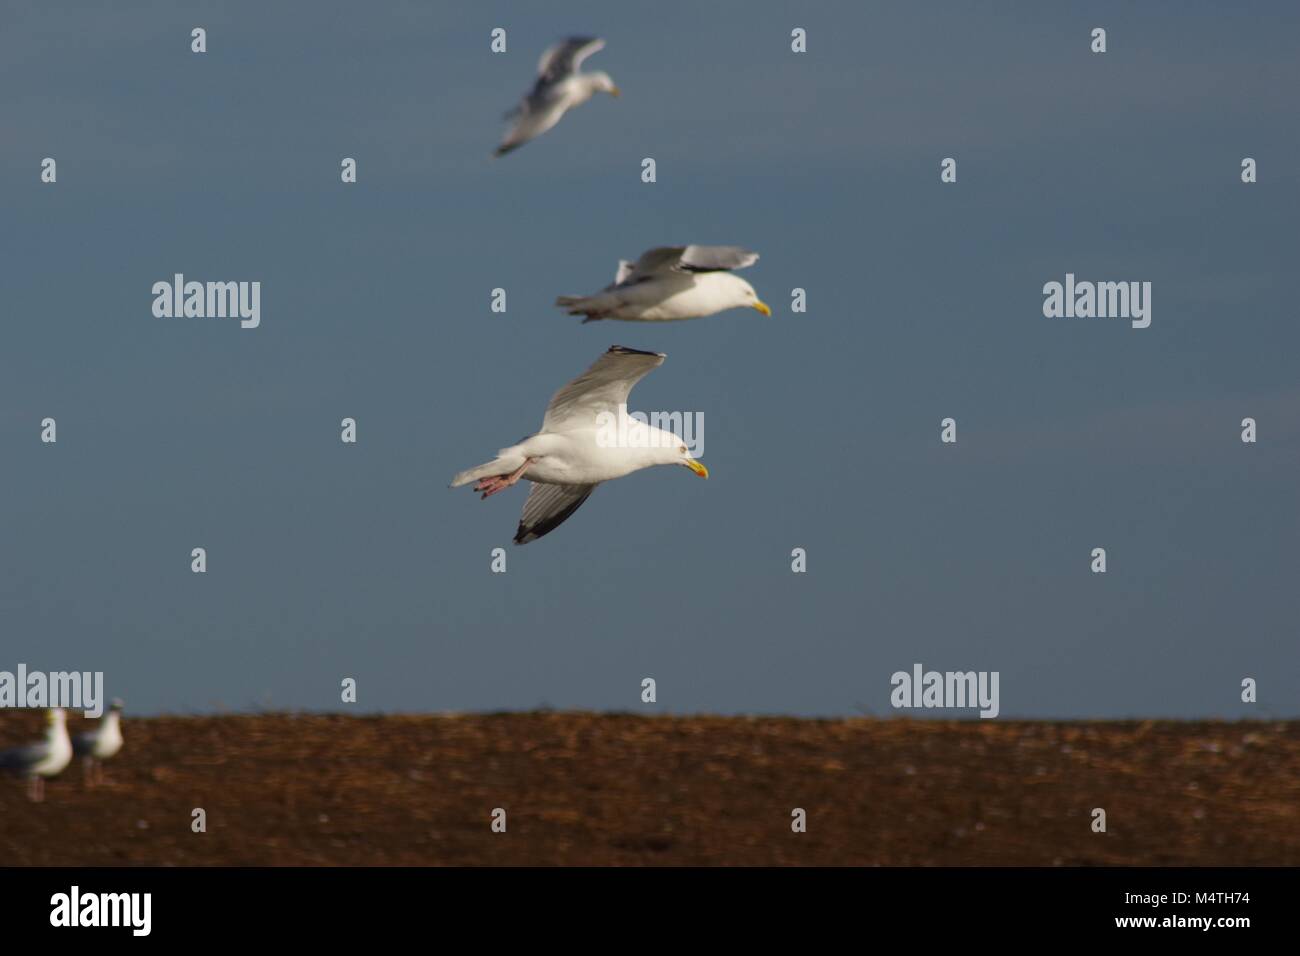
(37,761)
(586,437)
(559,88)
(96,746)
(670,283)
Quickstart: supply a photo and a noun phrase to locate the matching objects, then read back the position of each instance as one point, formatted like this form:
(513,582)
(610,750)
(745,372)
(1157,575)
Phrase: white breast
(59,755)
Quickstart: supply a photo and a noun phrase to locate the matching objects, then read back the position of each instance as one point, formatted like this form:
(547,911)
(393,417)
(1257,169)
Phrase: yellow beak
(697,467)
(614,91)
(762,307)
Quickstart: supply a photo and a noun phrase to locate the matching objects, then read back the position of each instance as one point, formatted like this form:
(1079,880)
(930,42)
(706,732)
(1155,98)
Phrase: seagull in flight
(671,283)
(587,437)
(559,88)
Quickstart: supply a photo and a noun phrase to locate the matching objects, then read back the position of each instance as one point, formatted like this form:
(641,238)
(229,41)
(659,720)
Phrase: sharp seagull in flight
(671,283)
(587,437)
(559,88)
(35,762)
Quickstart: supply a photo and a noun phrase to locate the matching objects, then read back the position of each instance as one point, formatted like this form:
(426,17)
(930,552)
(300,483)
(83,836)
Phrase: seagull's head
(603,83)
(117,705)
(749,298)
(682,456)
(55,716)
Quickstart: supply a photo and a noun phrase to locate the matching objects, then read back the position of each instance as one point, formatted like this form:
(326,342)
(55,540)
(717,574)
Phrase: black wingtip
(625,350)
(542,528)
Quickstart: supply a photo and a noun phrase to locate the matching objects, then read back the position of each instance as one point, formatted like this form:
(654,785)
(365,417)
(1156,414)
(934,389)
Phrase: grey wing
(665,260)
(531,118)
(602,388)
(20,759)
(716,258)
(547,507)
(565,58)
(652,262)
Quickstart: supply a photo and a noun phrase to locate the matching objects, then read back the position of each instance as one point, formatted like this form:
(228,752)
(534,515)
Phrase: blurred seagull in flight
(35,762)
(96,746)
(587,437)
(559,88)
(671,283)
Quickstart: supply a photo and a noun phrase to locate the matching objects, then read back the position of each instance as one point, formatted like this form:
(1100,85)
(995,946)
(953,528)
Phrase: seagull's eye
(682,449)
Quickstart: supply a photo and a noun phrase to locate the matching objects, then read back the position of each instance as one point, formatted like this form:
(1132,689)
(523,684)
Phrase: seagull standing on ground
(670,283)
(96,746)
(559,88)
(587,437)
(35,762)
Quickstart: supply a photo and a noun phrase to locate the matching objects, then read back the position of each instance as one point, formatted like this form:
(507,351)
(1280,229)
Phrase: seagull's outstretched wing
(531,120)
(668,259)
(602,388)
(565,58)
(547,507)
(716,258)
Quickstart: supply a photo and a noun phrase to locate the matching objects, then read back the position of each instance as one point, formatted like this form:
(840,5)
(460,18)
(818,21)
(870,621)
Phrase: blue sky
(821,429)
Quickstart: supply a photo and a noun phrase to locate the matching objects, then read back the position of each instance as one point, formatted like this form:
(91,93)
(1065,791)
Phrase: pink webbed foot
(495,483)
(490,486)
